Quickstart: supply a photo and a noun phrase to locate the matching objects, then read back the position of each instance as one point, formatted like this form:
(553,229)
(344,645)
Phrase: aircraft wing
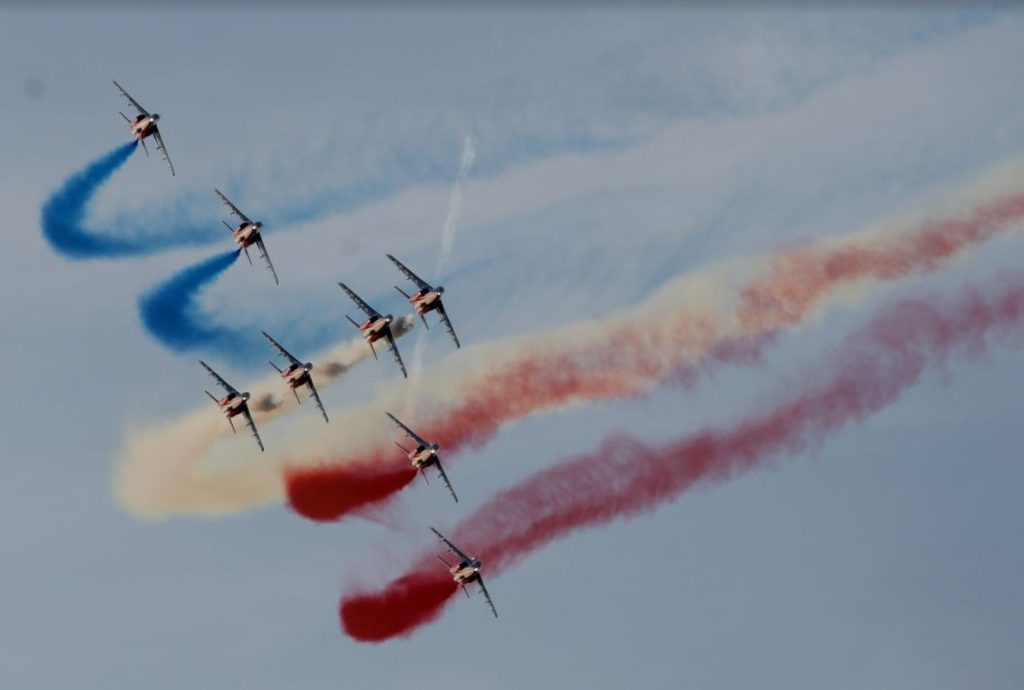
(234,209)
(444,478)
(266,257)
(447,322)
(394,350)
(451,547)
(163,149)
(216,377)
(252,427)
(135,103)
(367,309)
(422,284)
(487,595)
(316,397)
(408,432)
(283,352)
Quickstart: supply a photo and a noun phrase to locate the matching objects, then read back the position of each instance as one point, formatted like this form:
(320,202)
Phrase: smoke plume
(625,477)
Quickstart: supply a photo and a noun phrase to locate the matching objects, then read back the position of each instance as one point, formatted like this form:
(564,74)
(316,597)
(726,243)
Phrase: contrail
(444,257)
(625,477)
(455,207)
(169,311)
(176,467)
(63,214)
(630,354)
(464,400)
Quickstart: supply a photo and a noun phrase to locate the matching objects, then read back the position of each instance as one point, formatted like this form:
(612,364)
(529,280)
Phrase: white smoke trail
(455,207)
(443,259)
(165,469)
(179,469)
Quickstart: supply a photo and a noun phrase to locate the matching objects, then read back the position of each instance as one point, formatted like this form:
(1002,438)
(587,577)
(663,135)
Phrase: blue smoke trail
(63,218)
(170,313)
(63,213)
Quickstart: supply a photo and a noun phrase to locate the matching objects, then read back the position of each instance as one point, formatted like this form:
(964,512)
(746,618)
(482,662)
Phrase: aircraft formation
(297,374)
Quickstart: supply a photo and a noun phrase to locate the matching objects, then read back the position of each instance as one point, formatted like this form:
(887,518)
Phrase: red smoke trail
(625,358)
(798,281)
(625,477)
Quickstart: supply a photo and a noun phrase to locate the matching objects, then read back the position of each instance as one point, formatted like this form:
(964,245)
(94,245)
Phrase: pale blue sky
(614,150)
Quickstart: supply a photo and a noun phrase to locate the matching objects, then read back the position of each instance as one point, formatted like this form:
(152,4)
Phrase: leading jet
(144,125)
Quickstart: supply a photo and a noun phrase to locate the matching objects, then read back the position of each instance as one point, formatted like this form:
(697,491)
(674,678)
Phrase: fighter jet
(297,374)
(233,404)
(467,570)
(247,234)
(375,327)
(427,299)
(425,455)
(144,125)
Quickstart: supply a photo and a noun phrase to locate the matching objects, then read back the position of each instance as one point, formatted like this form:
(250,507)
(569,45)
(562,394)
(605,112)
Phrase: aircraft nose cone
(309,366)
(440,290)
(245,396)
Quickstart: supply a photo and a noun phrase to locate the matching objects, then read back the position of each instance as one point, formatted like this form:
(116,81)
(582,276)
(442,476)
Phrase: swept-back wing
(234,209)
(451,547)
(422,284)
(266,257)
(316,398)
(447,323)
(394,350)
(487,595)
(444,478)
(283,352)
(216,377)
(163,149)
(367,309)
(408,432)
(252,426)
(135,103)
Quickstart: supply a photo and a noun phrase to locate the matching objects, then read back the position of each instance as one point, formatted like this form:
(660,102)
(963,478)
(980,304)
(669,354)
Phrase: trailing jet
(144,125)
(297,374)
(425,455)
(427,299)
(247,234)
(467,570)
(375,327)
(233,404)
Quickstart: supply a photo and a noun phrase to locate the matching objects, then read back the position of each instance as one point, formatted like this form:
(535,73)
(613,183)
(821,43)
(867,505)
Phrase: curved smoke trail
(625,477)
(63,214)
(169,311)
(333,470)
(629,355)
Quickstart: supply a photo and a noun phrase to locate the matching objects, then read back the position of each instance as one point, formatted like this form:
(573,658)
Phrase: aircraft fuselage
(297,375)
(426,300)
(375,329)
(424,456)
(144,126)
(466,571)
(247,234)
(233,405)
